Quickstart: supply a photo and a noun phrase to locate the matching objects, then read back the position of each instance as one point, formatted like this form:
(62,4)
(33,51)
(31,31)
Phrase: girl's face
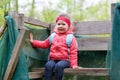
(61,26)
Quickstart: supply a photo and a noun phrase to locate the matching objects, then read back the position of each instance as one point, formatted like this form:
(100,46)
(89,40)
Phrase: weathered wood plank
(36,22)
(15,55)
(91,44)
(82,71)
(2,28)
(20,21)
(87,71)
(90,27)
(34,75)
(52,26)
(38,69)
(112,10)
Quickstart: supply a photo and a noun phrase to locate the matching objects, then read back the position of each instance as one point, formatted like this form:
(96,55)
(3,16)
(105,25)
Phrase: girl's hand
(76,67)
(31,37)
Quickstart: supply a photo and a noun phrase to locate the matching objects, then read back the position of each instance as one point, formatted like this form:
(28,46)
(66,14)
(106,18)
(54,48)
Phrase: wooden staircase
(84,44)
(39,72)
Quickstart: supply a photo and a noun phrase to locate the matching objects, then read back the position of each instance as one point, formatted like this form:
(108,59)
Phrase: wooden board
(2,28)
(36,22)
(81,72)
(93,44)
(34,75)
(90,27)
(87,71)
(15,55)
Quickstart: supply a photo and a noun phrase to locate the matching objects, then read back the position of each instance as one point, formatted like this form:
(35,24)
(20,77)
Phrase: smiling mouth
(60,29)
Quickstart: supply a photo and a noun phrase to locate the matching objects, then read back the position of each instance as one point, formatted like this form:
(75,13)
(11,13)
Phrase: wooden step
(36,75)
(87,71)
(39,72)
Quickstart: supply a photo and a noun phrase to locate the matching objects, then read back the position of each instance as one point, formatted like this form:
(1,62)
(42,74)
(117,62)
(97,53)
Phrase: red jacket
(59,48)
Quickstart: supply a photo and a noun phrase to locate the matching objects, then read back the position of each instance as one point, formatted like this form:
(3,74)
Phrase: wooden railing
(39,72)
(2,28)
(91,42)
(84,43)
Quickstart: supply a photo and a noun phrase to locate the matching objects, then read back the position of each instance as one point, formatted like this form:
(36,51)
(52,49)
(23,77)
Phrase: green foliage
(65,6)
(75,8)
(32,8)
(98,12)
(5,5)
(1,17)
(48,15)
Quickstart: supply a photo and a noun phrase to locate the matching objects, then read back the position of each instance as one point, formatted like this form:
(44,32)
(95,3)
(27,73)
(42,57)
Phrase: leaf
(1,17)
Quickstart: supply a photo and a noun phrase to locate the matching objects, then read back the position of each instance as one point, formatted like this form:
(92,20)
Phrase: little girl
(59,57)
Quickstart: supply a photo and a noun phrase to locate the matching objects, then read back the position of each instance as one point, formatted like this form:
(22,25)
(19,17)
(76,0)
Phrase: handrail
(36,22)
(2,28)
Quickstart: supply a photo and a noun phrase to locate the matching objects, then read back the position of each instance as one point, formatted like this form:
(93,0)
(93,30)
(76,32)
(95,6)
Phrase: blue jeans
(58,67)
